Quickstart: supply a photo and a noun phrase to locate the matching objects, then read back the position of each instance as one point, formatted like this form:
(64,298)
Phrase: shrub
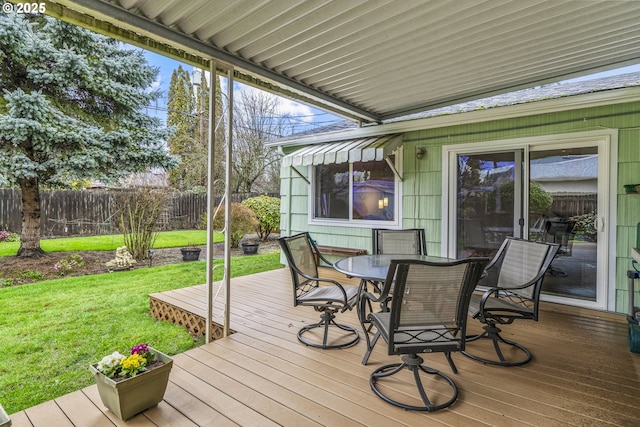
(33,275)
(584,226)
(68,264)
(5,283)
(539,199)
(138,214)
(243,221)
(267,210)
(8,236)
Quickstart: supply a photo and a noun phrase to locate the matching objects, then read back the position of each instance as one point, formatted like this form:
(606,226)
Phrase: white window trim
(358,223)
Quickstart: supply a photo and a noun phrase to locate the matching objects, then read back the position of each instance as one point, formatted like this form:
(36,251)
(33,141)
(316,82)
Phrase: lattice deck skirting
(195,324)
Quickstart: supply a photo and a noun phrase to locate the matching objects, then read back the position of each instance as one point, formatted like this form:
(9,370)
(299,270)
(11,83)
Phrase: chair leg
(451,364)
(493,332)
(414,364)
(370,345)
(328,319)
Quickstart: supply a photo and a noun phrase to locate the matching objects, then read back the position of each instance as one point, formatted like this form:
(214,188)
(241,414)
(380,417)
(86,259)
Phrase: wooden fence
(92,212)
(571,204)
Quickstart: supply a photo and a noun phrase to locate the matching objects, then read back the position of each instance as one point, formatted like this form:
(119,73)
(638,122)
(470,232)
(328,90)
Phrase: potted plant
(631,188)
(5,421)
(243,221)
(130,384)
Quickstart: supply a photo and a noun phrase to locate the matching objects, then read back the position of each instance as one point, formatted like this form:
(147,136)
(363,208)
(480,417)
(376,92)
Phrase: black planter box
(250,248)
(190,254)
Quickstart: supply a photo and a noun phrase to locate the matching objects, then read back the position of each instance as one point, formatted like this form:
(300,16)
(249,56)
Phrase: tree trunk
(30,235)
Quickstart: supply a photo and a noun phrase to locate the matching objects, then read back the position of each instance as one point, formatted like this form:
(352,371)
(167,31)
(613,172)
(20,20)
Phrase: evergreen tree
(71,108)
(182,120)
(189,117)
(219,150)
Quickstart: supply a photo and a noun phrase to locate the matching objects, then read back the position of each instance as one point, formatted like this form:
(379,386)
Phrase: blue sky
(623,70)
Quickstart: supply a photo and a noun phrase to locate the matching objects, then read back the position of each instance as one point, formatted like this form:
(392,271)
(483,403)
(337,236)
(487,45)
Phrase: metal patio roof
(373,60)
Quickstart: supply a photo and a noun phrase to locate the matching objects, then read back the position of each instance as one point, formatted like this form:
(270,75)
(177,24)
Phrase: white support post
(227,212)
(210,196)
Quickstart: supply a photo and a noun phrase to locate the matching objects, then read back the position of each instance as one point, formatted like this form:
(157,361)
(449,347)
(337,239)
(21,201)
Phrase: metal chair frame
(307,292)
(502,305)
(414,326)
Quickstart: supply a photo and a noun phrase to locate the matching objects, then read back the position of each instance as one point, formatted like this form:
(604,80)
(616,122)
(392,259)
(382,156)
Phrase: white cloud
(286,106)
(156,84)
(296,109)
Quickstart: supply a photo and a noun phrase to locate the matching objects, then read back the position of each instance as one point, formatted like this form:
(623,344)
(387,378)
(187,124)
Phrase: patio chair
(474,237)
(399,242)
(511,290)
(410,241)
(428,315)
(325,295)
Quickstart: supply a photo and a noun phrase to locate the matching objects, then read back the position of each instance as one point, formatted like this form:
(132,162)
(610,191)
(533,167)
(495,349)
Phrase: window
(355,191)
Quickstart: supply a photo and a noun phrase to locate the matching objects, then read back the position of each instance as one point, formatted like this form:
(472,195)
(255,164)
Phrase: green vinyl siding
(421,202)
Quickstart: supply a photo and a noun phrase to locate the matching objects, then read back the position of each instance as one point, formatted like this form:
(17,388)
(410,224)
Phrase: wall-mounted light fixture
(421,153)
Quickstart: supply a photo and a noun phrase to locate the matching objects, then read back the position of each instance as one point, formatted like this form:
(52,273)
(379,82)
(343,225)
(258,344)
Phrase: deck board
(582,373)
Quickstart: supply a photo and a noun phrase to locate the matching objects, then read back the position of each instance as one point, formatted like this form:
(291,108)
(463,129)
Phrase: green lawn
(165,239)
(52,331)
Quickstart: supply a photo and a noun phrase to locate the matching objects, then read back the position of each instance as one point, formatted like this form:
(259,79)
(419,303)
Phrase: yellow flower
(133,362)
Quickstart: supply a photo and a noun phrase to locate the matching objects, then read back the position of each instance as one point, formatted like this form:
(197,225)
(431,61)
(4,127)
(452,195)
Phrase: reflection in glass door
(487,205)
(563,207)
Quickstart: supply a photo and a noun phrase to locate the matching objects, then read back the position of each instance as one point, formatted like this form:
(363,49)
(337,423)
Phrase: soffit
(379,59)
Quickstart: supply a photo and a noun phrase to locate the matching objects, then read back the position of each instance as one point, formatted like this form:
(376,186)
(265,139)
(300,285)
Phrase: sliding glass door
(563,208)
(548,191)
(486,204)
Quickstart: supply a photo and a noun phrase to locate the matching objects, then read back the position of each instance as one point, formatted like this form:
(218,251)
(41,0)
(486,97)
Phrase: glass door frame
(607,143)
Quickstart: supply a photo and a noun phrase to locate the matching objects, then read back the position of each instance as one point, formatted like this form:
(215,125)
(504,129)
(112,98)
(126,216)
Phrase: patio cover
(373,60)
(355,150)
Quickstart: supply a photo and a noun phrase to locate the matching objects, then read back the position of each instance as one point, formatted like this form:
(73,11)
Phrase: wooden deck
(582,375)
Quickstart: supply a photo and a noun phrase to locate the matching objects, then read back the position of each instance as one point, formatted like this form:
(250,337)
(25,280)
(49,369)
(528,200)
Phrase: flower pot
(250,248)
(5,421)
(632,188)
(190,254)
(131,396)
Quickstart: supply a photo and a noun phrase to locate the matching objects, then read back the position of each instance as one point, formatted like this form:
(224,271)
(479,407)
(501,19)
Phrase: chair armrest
(319,279)
(502,294)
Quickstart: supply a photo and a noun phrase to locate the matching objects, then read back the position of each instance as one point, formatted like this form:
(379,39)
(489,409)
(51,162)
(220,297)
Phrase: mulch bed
(19,270)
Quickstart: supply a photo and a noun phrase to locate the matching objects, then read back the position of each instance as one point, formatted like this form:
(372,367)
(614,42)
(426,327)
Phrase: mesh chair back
(521,263)
(399,242)
(301,258)
(430,303)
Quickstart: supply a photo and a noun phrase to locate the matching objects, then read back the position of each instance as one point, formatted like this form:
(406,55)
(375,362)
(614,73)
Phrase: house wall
(422,185)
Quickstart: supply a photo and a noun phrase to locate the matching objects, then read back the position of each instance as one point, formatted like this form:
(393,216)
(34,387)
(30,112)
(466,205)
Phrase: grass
(53,330)
(165,239)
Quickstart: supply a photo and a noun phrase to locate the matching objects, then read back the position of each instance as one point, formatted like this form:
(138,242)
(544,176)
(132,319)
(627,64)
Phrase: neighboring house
(444,169)
(154,178)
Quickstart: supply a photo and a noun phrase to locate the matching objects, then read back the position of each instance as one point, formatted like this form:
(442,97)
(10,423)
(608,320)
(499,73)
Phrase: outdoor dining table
(374,268)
